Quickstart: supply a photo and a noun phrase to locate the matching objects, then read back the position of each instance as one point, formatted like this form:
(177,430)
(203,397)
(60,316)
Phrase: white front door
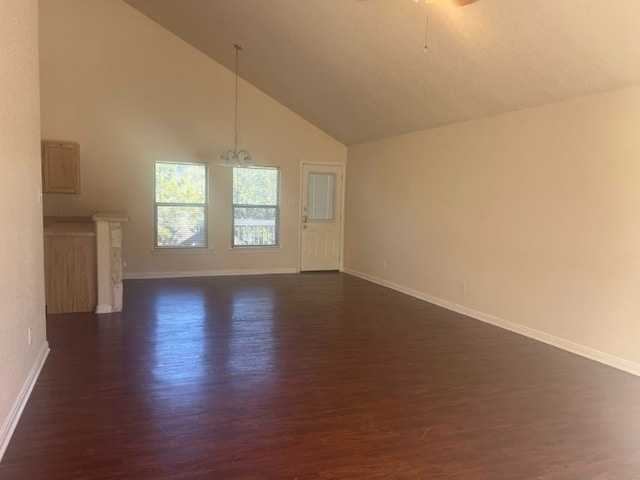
(321,223)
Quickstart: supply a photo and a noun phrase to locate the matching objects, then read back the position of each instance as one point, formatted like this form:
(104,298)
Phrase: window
(181,205)
(256,206)
(321,186)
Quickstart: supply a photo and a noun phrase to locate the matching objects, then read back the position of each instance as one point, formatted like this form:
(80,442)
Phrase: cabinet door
(70,273)
(60,167)
(85,276)
(59,268)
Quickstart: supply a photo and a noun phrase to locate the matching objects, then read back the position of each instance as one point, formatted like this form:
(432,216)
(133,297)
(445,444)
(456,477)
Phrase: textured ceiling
(358,69)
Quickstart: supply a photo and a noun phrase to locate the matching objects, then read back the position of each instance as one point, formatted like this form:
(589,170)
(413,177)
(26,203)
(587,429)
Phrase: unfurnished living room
(320,239)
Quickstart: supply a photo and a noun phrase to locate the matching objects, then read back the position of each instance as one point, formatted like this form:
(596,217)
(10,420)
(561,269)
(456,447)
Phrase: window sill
(181,251)
(255,249)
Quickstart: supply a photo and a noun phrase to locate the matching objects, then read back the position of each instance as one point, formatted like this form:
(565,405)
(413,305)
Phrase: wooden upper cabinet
(60,167)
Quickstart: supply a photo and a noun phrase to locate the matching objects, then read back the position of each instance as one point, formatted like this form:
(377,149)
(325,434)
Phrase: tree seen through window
(256,206)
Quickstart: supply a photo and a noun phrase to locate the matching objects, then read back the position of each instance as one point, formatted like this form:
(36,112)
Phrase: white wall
(130,92)
(21,245)
(538,211)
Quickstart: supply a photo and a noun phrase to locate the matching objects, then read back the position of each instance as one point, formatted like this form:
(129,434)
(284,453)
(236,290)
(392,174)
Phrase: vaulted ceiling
(358,69)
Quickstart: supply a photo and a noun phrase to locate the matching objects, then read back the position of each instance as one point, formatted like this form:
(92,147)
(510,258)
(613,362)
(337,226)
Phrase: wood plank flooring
(314,376)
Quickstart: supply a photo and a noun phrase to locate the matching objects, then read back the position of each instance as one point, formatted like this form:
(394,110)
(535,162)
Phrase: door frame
(343,166)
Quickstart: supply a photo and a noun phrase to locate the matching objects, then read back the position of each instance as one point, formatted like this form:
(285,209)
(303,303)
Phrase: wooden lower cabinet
(70,272)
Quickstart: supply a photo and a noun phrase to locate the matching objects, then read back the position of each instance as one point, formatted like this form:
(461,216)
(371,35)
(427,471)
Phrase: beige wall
(137,93)
(538,211)
(21,258)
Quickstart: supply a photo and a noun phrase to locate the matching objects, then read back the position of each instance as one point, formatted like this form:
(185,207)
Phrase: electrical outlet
(463,286)
(29,334)
(384,264)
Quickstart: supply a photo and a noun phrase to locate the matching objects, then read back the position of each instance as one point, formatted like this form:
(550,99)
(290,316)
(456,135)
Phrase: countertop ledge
(110,217)
(75,229)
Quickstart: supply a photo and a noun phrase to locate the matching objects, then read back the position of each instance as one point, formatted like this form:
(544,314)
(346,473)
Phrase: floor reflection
(179,338)
(251,345)
(201,344)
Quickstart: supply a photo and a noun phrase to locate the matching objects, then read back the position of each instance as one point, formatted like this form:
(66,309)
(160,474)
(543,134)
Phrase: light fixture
(235,157)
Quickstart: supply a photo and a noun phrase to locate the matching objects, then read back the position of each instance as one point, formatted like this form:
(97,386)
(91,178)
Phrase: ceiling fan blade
(462,3)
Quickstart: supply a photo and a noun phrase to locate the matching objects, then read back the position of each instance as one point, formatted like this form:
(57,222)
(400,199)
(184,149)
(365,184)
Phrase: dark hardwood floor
(314,376)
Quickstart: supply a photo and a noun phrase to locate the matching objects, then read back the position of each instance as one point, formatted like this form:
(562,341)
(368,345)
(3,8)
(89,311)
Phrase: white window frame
(204,205)
(276,244)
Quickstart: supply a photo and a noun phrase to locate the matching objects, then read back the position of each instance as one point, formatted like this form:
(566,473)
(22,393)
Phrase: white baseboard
(103,309)
(558,342)
(18,407)
(208,273)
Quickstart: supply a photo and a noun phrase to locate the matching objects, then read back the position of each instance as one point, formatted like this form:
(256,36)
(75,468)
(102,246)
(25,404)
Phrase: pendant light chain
(235,157)
(426,34)
(238,48)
